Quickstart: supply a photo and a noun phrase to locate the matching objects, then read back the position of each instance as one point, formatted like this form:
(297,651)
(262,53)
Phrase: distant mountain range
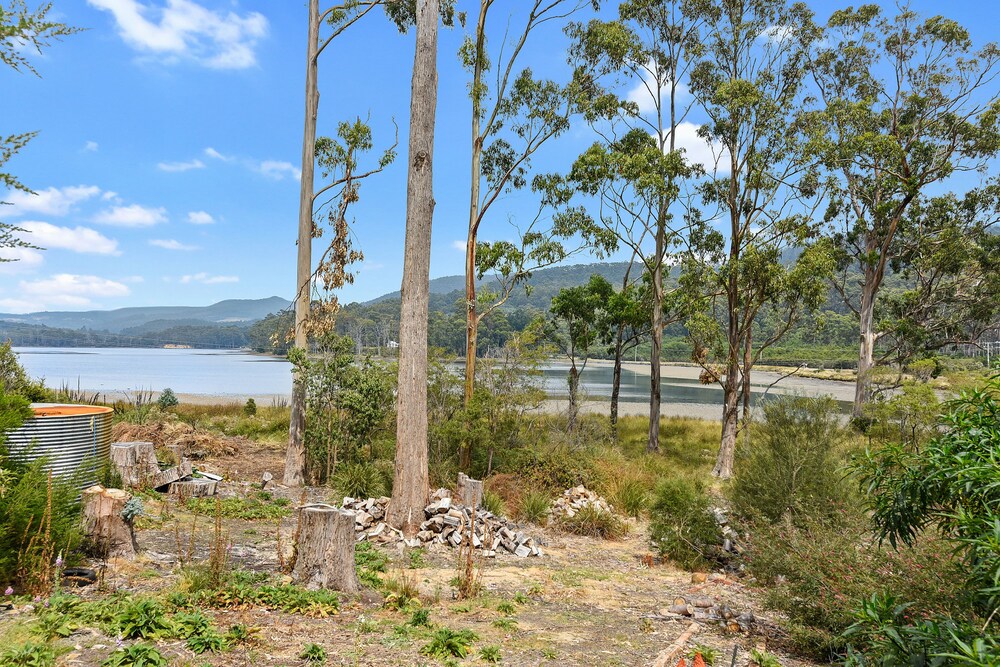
(229,312)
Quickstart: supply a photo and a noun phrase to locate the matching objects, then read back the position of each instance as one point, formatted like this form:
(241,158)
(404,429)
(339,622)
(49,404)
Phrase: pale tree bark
(411,486)
(295,455)
(866,350)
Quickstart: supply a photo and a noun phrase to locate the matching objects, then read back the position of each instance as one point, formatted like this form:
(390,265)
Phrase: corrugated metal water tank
(72,437)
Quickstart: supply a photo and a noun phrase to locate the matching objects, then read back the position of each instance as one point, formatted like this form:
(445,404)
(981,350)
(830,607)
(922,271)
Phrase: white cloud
(19,260)
(50,201)
(77,239)
(206,279)
(180,166)
(171,244)
(712,157)
(645,88)
(64,290)
(278,169)
(459,245)
(274,169)
(200,218)
(778,33)
(91,146)
(108,196)
(131,216)
(183,29)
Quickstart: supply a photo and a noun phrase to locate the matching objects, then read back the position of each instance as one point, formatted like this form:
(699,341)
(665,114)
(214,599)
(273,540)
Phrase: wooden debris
(135,462)
(192,488)
(666,657)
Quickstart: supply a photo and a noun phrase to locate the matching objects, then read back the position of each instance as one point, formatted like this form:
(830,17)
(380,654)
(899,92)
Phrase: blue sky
(170,132)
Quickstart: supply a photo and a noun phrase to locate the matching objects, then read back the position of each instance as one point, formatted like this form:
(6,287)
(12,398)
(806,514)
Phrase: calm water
(214,372)
(226,373)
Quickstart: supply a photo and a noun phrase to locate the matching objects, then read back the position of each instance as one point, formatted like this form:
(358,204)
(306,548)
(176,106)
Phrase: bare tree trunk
(109,533)
(616,381)
(574,387)
(411,487)
(730,424)
(653,445)
(866,351)
(295,456)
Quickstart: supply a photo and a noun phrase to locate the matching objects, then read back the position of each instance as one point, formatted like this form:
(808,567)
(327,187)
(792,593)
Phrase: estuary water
(237,375)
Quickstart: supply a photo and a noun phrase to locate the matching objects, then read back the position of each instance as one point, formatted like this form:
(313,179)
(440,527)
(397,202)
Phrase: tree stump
(135,462)
(192,488)
(469,491)
(325,552)
(109,533)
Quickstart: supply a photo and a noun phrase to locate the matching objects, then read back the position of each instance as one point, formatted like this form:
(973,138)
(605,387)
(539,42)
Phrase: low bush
(30,654)
(629,496)
(591,521)
(682,527)
(167,399)
(534,507)
(447,643)
(792,462)
(494,503)
(359,480)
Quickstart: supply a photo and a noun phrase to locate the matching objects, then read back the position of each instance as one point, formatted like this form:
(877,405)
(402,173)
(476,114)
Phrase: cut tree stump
(469,491)
(325,552)
(109,533)
(178,472)
(135,462)
(193,488)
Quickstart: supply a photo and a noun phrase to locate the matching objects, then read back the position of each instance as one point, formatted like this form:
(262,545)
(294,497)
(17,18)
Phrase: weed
(507,608)
(763,658)
(359,480)
(143,618)
(490,654)
(137,655)
(549,653)
(520,598)
(29,654)
(708,654)
(313,654)
(417,558)
(241,634)
(448,643)
(210,641)
(53,624)
(420,618)
(190,624)
(403,593)
(249,509)
(369,563)
(367,626)
(505,624)
(593,522)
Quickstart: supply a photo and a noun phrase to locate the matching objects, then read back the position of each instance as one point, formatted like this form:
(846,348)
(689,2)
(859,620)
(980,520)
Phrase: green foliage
(13,378)
(144,618)
(707,653)
(950,485)
(250,407)
(234,507)
(592,521)
(682,527)
(791,463)
(507,608)
(292,599)
(241,634)
(167,399)
(416,558)
(762,658)
(209,641)
(313,654)
(420,618)
(29,654)
(492,502)
(370,562)
(359,480)
(505,624)
(630,496)
(448,643)
(137,655)
(490,654)
(53,624)
(534,507)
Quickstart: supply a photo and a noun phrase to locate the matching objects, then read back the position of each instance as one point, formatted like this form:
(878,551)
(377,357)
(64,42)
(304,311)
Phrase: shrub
(551,468)
(167,399)
(359,480)
(682,527)
(493,503)
(144,618)
(790,463)
(313,654)
(534,507)
(629,496)
(250,407)
(594,522)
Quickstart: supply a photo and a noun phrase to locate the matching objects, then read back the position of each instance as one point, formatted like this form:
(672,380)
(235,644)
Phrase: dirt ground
(585,602)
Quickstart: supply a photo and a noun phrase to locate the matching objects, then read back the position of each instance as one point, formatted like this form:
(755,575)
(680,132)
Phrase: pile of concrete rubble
(447,523)
(575,499)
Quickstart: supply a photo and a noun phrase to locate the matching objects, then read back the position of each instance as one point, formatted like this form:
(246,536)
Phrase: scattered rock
(575,499)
